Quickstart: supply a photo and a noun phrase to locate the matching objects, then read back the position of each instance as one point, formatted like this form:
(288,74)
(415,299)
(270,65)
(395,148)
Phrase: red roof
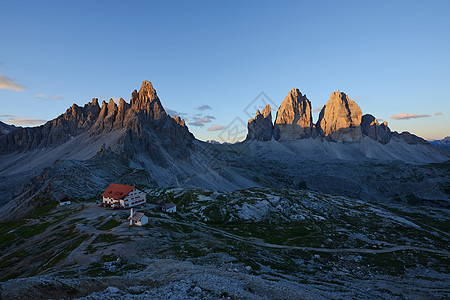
(117,191)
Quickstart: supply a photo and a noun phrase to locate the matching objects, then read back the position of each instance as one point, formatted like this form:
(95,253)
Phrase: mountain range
(84,149)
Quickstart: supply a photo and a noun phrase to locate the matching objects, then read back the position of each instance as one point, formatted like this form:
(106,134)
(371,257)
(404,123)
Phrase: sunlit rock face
(294,119)
(340,119)
(143,122)
(261,127)
(376,131)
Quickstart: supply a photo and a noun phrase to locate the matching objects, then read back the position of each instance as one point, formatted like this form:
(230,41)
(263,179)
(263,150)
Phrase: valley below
(255,243)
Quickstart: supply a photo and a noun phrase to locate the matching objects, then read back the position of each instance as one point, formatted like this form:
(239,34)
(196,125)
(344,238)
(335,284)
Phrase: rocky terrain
(5,128)
(343,208)
(145,140)
(248,244)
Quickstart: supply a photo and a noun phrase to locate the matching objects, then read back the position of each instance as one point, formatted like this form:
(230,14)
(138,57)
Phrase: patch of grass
(109,224)
(21,233)
(63,253)
(106,238)
(45,206)
(12,258)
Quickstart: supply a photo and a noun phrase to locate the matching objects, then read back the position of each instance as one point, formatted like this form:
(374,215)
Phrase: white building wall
(134,198)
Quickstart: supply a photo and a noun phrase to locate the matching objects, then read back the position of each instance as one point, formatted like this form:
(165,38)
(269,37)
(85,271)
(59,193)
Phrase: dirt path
(260,242)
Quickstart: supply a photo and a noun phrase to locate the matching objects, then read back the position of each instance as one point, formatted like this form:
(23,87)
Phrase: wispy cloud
(10,116)
(204,107)
(216,128)
(318,108)
(26,121)
(438,114)
(9,84)
(21,120)
(210,117)
(404,116)
(43,96)
(200,122)
(173,113)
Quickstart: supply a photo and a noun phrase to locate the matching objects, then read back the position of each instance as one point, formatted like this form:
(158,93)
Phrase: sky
(216,62)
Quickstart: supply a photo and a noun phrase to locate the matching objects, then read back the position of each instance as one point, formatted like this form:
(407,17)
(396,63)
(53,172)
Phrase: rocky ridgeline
(376,131)
(261,127)
(143,119)
(340,120)
(5,128)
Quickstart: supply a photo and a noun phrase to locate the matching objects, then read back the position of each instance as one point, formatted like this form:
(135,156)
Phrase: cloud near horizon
(204,107)
(9,84)
(200,122)
(438,114)
(43,96)
(405,116)
(10,116)
(26,121)
(318,108)
(216,128)
(173,113)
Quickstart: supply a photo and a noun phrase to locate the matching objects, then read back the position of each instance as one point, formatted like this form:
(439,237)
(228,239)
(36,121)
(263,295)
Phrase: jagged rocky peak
(261,127)
(147,101)
(376,131)
(179,121)
(340,119)
(144,113)
(294,118)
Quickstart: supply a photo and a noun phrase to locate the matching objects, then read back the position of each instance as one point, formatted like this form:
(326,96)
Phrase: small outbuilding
(64,201)
(169,208)
(137,218)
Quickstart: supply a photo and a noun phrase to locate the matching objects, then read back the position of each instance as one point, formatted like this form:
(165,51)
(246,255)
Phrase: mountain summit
(294,119)
(340,119)
(143,117)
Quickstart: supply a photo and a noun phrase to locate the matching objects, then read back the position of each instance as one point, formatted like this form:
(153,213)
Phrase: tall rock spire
(340,119)
(260,127)
(294,119)
(147,101)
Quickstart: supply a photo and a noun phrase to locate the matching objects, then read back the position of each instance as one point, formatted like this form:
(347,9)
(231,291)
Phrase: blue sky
(391,57)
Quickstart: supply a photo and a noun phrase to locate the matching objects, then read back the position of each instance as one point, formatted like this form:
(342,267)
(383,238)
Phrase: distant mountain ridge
(6,128)
(443,144)
(142,120)
(88,147)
